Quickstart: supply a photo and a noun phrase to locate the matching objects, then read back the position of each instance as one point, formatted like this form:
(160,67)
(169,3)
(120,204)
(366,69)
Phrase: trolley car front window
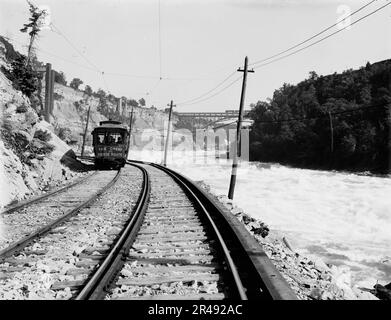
(114,138)
(100,138)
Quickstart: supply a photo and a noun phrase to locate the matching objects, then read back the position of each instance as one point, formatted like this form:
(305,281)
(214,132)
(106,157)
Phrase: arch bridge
(205,119)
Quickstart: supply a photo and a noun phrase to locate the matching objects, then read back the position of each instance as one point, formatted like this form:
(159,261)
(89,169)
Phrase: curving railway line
(172,241)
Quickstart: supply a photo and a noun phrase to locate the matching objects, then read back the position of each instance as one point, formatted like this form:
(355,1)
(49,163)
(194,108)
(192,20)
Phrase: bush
(40,147)
(59,77)
(23,77)
(42,135)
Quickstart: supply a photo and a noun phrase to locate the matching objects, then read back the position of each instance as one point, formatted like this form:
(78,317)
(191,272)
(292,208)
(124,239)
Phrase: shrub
(42,135)
(59,77)
(38,146)
(23,77)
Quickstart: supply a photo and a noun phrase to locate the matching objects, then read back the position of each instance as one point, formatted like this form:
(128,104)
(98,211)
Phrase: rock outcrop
(30,151)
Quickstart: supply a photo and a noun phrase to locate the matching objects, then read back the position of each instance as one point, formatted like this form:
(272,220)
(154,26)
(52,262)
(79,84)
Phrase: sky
(201,42)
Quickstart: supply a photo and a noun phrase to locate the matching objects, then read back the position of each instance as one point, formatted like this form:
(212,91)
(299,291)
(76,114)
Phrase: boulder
(247,219)
(260,229)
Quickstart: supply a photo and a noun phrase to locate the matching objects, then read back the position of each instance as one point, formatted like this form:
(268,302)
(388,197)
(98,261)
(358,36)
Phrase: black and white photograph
(189,155)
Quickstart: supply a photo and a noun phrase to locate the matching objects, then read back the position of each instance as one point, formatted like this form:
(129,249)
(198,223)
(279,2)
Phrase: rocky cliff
(31,149)
(70,114)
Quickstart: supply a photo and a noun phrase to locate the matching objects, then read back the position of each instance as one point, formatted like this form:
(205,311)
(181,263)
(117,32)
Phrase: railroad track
(175,242)
(182,245)
(52,208)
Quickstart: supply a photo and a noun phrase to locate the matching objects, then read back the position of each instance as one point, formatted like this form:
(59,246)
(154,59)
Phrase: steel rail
(257,262)
(227,256)
(263,272)
(99,283)
(26,203)
(20,244)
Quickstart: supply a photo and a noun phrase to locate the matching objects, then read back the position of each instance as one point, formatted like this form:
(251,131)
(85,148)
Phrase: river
(343,218)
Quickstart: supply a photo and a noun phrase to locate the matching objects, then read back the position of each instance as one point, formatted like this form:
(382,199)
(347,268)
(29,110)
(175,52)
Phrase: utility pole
(238,129)
(331,133)
(130,131)
(85,131)
(168,134)
(51,92)
(48,76)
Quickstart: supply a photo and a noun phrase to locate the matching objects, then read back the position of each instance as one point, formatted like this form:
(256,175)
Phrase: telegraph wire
(322,39)
(215,94)
(187,102)
(276,55)
(195,100)
(312,37)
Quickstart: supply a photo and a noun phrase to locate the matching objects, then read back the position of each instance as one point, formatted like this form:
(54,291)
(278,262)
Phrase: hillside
(30,152)
(31,149)
(338,121)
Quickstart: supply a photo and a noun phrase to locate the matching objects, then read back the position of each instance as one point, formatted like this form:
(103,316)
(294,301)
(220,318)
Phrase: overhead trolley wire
(154,87)
(101,72)
(75,48)
(160,45)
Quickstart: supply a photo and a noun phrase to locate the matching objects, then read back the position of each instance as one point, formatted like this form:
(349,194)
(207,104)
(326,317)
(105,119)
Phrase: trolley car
(111,144)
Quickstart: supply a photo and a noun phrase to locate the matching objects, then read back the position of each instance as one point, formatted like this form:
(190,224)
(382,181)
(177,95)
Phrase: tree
(100,93)
(132,102)
(35,22)
(142,102)
(59,77)
(112,98)
(23,77)
(338,121)
(88,90)
(75,83)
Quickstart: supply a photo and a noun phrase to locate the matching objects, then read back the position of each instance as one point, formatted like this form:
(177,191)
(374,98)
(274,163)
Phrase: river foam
(343,218)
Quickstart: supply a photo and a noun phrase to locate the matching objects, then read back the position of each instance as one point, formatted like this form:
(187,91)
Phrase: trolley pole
(238,129)
(85,131)
(168,134)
